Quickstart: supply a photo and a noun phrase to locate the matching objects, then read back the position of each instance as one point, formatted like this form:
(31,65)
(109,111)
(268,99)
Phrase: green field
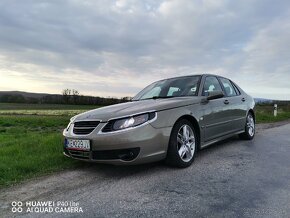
(31,141)
(43,109)
(31,146)
(264,114)
(17,106)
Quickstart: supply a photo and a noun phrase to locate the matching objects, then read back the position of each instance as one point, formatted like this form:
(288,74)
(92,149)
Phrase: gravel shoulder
(263,126)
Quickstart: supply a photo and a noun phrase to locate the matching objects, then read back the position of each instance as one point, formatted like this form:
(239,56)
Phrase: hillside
(24,94)
(45,98)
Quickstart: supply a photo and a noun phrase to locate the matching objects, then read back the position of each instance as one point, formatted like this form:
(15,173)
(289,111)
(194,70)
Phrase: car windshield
(169,88)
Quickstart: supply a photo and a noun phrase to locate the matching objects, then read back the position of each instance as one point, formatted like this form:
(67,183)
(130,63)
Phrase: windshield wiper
(155,97)
(158,97)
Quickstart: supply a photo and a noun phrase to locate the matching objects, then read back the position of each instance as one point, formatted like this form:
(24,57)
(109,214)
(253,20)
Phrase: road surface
(234,178)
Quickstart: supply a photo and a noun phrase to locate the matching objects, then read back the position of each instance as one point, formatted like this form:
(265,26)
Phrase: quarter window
(211,84)
(228,87)
(236,89)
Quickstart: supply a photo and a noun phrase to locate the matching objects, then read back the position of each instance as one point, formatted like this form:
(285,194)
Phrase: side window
(228,86)
(211,84)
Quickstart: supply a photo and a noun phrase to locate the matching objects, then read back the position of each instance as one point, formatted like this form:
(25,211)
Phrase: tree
(75,95)
(66,95)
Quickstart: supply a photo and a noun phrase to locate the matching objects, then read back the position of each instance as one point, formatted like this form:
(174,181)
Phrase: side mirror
(215,95)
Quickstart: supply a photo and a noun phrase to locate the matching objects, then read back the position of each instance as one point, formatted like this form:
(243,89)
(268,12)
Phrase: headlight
(128,122)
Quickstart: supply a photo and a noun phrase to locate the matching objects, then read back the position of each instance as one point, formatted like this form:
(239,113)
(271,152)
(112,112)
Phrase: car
(169,120)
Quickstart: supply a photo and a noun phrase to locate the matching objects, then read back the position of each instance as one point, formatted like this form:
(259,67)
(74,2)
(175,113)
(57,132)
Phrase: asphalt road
(234,178)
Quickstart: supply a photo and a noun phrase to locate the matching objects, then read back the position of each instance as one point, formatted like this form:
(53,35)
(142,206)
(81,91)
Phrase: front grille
(84,127)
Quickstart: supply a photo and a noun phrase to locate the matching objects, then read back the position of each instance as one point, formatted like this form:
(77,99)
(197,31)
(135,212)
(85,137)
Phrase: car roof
(204,74)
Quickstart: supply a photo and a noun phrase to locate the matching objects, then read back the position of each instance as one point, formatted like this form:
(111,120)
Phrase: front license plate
(78,144)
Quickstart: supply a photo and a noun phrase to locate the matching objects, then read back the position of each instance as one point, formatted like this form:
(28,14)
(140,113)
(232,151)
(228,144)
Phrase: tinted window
(228,87)
(211,84)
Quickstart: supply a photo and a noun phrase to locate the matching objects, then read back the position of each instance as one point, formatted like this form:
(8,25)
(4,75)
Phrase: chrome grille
(84,127)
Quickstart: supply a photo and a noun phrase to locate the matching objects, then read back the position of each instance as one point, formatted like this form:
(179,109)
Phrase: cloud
(117,47)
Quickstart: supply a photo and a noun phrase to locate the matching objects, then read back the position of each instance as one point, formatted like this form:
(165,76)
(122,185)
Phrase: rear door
(235,105)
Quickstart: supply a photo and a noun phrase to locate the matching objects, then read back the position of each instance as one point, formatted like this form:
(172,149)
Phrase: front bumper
(133,146)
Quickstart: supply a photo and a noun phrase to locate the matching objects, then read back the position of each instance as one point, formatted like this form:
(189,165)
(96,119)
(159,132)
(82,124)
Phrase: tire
(250,128)
(182,145)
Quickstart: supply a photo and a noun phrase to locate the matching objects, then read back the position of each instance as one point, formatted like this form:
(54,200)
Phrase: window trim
(222,89)
(198,86)
(234,86)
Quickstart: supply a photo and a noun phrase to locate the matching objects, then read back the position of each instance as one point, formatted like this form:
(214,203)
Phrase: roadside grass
(42,112)
(31,146)
(23,106)
(264,114)
(263,117)
(43,109)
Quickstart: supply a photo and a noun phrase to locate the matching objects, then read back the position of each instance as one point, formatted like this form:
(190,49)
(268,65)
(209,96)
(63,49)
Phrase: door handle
(243,99)
(226,102)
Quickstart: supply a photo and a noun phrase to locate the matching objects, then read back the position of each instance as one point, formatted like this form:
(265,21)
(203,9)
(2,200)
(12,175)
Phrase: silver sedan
(170,119)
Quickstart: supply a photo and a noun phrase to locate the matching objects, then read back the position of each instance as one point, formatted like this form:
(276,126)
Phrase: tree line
(68,96)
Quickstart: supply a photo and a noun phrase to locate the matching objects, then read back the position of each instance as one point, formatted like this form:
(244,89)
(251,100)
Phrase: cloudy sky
(115,48)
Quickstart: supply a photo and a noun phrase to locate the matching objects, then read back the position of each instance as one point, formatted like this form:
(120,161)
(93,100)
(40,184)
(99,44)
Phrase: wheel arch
(253,113)
(195,124)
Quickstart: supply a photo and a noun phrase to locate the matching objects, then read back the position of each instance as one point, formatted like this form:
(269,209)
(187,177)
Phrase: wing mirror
(215,95)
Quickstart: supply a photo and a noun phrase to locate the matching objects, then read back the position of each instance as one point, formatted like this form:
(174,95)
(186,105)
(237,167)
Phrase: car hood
(135,107)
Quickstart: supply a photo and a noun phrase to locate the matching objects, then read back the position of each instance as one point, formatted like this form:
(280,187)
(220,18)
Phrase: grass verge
(31,146)
(264,114)
(269,118)
(43,109)
(23,106)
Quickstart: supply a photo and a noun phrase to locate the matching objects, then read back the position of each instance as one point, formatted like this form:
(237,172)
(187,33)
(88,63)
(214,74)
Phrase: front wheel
(249,128)
(182,144)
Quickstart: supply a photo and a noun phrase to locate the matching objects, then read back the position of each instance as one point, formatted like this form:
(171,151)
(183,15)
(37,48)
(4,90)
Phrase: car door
(215,115)
(235,105)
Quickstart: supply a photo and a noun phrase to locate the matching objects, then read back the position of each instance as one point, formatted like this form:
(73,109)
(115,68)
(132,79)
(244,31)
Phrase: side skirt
(220,139)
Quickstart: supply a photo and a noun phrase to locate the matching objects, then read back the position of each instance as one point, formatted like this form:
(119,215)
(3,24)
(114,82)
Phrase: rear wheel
(250,128)
(182,144)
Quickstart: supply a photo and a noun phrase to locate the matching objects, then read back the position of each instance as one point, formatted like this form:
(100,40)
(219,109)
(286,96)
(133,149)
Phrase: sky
(117,47)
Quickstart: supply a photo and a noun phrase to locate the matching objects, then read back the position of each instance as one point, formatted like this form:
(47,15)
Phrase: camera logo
(16,206)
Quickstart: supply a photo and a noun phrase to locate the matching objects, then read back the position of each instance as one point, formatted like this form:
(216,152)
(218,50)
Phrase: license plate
(78,144)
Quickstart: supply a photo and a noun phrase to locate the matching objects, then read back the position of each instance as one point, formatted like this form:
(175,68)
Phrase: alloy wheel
(250,125)
(185,143)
